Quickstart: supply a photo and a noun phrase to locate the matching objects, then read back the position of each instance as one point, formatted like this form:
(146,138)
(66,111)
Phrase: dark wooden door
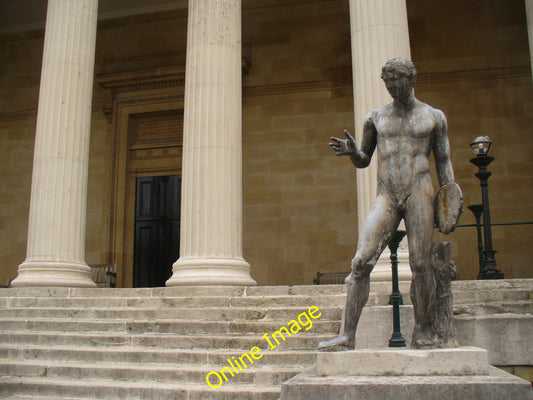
(157,229)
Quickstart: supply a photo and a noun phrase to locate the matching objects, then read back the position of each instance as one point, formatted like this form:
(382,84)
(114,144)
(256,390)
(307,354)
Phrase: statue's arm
(347,147)
(441,149)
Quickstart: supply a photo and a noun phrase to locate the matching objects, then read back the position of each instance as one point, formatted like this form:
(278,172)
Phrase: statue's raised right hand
(344,147)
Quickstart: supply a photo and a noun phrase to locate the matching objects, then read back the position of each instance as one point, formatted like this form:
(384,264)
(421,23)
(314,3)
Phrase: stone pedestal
(437,374)
(56,231)
(211,226)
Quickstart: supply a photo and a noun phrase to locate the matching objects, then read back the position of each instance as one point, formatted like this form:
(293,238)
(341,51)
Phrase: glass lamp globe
(481,145)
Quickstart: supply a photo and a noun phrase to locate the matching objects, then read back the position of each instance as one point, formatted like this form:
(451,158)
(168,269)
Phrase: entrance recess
(146,109)
(157,229)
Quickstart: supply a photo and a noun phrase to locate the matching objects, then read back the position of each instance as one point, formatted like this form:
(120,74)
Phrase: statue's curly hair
(402,65)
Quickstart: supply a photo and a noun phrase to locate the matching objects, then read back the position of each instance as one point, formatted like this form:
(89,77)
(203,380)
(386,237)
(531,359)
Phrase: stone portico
(211,237)
(238,99)
(262,199)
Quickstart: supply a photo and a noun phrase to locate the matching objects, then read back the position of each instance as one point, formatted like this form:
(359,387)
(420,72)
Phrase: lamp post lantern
(481,146)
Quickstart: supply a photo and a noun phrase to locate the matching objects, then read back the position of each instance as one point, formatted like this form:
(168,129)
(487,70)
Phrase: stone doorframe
(130,96)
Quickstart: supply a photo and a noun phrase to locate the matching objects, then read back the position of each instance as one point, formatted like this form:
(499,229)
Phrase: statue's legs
(377,231)
(419,216)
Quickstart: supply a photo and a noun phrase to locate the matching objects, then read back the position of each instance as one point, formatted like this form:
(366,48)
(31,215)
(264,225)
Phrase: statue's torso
(404,143)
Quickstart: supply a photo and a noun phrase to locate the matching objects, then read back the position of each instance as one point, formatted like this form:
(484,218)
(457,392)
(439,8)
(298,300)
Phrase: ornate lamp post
(481,147)
(396,298)
(477,210)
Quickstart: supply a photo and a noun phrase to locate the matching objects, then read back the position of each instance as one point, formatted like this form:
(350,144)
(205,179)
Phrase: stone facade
(299,201)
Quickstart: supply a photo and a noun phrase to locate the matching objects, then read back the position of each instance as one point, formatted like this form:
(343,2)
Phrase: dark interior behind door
(157,229)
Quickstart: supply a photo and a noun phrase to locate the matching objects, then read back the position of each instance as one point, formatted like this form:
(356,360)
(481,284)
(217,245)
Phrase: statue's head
(401,66)
(399,75)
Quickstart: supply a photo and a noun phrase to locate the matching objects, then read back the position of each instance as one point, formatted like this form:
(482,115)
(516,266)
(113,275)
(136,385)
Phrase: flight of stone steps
(151,344)
(155,343)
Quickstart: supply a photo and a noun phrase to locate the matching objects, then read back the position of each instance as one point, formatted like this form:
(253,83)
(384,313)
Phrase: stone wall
(19,79)
(299,199)
(476,69)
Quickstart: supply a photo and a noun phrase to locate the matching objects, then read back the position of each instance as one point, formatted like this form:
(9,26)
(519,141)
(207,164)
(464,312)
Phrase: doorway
(157,229)
(146,108)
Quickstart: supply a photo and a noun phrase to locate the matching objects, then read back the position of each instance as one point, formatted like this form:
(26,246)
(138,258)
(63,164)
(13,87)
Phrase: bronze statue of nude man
(404,132)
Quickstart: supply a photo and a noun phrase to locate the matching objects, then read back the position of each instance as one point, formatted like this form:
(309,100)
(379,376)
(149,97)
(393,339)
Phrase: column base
(211,271)
(53,274)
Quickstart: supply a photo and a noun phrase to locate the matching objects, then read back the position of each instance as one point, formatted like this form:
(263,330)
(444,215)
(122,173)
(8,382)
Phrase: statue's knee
(418,270)
(420,267)
(360,269)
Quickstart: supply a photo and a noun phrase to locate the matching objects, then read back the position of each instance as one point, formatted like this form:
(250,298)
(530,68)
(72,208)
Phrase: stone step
(182,291)
(261,303)
(170,302)
(114,390)
(266,297)
(495,295)
(144,356)
(161,314)
(377,288)
(490,285)
(94,339)
(180,327)
(375,329)
(122,315)
(507,337)
(185,291)
(504,307)
(255,373)
(39,397)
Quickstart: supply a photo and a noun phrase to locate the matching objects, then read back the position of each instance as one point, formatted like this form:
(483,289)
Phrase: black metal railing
(478,211)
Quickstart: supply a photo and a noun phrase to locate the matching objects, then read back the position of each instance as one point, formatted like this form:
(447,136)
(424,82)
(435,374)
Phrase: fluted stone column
(379,32)
(529,15)
(56,232)
(211,223)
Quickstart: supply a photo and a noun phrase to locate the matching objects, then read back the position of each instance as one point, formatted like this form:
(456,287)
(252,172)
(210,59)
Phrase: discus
(448,207)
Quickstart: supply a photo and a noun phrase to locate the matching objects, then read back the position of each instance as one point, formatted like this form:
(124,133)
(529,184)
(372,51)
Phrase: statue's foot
(424,340)
(339,341)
